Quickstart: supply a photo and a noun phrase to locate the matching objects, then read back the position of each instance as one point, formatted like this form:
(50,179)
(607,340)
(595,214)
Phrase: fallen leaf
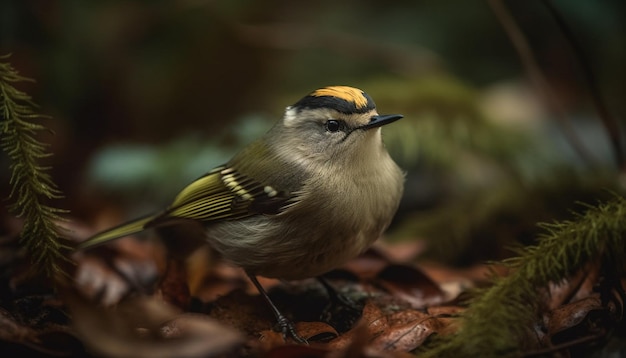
(574,320)
(404,251)
(316,331)
(296,351)
(410,284)
(173,286)
(372,323)
(368,264)
(108,274)
(146,327)
(221,279)
(405,337)
(269,340)
(445,311)
(45,338)
(245,312)
(578,286)
(199,335)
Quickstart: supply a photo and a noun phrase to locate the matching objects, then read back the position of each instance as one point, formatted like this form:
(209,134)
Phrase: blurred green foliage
(143,170)
(147,95)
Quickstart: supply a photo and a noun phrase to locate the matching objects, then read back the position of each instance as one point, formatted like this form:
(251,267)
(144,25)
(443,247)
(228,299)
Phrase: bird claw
(286,327)
(289,330)
(342,311)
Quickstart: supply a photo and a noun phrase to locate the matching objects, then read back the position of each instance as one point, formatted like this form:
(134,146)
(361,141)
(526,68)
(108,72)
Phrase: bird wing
(221,194)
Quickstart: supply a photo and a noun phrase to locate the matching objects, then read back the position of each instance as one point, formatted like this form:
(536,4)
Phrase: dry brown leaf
(173,287)
(221,279)
(578,286)
(568,321)
(474,274)
(244,312)
(296,351)
(368,264)
(200,335)
(146,327)
(360,347)
(445,311)
(374,319)
(399,331)
(97,281)
(405,251)
(316,331)
(410,284)
(199,265)
(45,338)
(373,323)
(269,340)
(405,337)
(387,324)
(109,274)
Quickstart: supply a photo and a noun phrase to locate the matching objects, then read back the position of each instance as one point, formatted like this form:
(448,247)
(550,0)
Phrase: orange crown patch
(346,93)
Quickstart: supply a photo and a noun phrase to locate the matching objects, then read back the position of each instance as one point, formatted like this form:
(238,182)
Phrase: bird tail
(117,232)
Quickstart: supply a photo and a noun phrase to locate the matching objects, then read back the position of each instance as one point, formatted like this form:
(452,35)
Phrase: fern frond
(31,185)
(499,321)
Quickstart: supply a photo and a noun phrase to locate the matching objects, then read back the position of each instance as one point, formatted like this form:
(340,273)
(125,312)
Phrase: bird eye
(334,125)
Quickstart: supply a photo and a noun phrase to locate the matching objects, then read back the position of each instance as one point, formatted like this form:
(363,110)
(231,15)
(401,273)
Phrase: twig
(536,76)
(550,351)
(610,123)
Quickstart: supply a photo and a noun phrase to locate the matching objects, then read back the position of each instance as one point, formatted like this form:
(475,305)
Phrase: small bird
(315,191)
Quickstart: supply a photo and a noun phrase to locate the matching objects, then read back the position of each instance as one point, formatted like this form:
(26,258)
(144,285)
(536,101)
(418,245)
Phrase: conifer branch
(500,320)
(31,185)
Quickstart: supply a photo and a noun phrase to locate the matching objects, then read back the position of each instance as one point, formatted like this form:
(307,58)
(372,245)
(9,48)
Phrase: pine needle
(31,185)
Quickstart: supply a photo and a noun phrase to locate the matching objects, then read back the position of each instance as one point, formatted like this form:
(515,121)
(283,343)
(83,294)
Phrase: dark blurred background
(147,95)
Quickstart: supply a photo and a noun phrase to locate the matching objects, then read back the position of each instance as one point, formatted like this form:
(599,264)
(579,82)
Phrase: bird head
(334,124)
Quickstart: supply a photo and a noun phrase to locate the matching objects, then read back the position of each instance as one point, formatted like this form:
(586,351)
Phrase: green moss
(499,321)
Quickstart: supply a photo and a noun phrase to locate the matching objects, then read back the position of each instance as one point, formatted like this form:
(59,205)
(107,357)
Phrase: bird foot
(342,311)
(289,330)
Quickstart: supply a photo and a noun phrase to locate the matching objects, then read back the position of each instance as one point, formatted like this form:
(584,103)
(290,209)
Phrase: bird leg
(342,311)
(286,326)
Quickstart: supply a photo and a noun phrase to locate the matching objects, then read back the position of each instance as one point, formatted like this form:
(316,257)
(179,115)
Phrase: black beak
(377,121)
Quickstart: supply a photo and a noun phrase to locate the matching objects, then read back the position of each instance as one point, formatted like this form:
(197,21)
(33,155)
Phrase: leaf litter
(129,298)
